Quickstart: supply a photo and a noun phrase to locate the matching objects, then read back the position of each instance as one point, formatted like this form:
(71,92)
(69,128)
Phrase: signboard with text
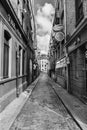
(58,27)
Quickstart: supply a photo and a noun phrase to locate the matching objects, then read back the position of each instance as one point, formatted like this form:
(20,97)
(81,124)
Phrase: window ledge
(2,81)
(5,80)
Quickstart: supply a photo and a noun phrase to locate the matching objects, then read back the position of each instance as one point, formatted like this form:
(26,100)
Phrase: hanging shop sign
(59,36)
(58,27)
(61,63)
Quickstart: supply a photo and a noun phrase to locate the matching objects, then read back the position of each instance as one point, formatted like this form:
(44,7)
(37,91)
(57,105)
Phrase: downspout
(66,52)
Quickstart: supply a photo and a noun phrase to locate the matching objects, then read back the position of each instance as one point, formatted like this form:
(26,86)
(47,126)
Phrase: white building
(44,65)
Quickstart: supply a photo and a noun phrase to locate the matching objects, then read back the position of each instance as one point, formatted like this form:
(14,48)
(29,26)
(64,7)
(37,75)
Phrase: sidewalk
(8,116)
(75,107)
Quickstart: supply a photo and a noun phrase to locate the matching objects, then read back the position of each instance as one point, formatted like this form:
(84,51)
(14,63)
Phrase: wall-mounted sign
(61,63)
(59,36)
(58,27)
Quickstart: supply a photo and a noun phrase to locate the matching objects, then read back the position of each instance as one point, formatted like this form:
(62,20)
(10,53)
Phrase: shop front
(61,72)
(77,52)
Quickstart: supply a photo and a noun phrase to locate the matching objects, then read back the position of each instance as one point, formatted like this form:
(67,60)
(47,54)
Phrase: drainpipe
(66,51)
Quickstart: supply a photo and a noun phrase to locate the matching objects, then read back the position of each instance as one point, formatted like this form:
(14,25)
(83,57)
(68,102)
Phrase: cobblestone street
(44,110)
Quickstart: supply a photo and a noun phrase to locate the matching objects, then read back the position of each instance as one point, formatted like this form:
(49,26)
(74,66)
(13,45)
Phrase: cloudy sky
(44,13)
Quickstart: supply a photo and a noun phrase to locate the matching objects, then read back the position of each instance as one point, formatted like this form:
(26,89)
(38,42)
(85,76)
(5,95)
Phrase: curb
(79,124)
(8,116)
(70,113)
(67,108)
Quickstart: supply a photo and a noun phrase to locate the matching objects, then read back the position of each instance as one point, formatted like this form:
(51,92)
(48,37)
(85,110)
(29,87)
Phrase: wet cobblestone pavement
(44,111)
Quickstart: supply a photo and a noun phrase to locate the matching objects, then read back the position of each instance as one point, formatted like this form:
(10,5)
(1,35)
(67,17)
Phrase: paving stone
(44,111)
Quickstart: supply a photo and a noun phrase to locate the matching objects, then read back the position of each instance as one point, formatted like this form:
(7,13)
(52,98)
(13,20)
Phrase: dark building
(77,48)
(71,53)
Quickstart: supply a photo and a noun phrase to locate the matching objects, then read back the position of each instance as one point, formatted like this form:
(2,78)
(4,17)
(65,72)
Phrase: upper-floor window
(79,10)
(18,2)
(22,19)
(28,32)
(20,49)
(6,55)
(23,63)
(24,4)
(76,64)
(62,17)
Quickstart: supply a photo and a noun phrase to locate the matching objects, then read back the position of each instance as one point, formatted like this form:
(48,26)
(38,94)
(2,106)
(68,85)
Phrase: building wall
(16,82)
(77,73)
(76,51)
(70,16)
(8,86)
(58,53)
(44,65)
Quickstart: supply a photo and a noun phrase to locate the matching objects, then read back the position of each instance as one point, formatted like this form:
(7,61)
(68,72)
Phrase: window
(19,72)
(76,64)
(79,11)
(28,32)
(61,71)
(22,19)
(23,4)
(62,48)
(58,52)
(18,2)
(6,54)
(23,63)
(62,17)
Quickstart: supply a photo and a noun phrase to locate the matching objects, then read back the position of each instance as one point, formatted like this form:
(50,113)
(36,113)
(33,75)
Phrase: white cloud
(48,10)
(44,25)
(43,42)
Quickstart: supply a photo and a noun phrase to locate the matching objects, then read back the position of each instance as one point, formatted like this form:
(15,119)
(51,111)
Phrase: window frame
(6,60)
(23,63)
(19,66)
(7,38)
(79,7)
(76,65)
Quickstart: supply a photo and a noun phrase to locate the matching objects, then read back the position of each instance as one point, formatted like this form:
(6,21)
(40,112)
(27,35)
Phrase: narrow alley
(44,110)
(43,64)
